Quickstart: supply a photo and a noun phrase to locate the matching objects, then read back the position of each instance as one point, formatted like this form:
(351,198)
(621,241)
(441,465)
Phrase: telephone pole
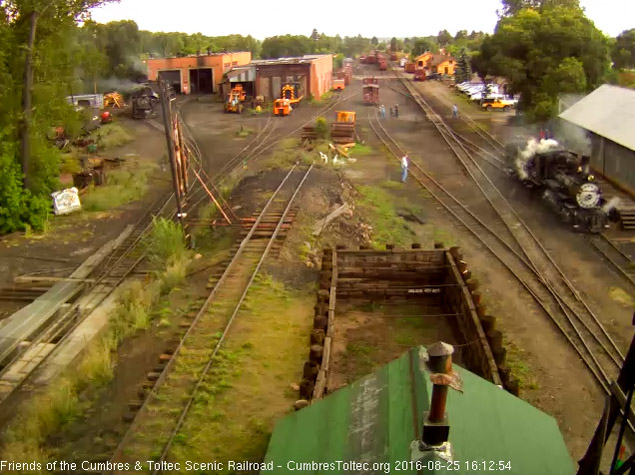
(178,182)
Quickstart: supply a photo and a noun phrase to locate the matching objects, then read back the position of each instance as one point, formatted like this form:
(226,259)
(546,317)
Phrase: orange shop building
(201,73)
(312,73)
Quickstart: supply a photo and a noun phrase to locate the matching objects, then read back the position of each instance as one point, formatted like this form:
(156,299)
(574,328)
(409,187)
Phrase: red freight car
(410,67)
(371,59)
(393,56)
(420,75)
(370,90)
(383,65)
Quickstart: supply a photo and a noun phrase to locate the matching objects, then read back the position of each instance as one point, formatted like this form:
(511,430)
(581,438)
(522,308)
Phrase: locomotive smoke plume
(611,204)
(574,138)
(116,84)
(533,147)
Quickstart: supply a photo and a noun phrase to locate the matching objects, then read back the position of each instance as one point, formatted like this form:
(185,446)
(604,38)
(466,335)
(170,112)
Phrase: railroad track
(618,260)
(187,367)
(539,274)
(495,157)
(122,262)
(262,142)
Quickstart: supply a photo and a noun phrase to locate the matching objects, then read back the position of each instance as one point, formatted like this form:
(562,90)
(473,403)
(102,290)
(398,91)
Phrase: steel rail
(534,238)
(419,100)
(237,308)
(514,273)
(153,393)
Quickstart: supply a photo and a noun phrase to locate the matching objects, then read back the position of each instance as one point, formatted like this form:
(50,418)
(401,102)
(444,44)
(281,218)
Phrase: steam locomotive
(145,99)
(564,179)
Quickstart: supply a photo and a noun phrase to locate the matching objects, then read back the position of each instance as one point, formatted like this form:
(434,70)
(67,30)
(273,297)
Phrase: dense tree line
(298,45)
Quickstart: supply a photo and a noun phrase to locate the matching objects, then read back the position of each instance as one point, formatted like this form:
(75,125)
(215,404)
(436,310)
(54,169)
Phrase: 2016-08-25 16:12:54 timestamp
(463,466)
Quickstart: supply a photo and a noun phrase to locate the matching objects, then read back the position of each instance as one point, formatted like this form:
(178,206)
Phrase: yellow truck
(498,104)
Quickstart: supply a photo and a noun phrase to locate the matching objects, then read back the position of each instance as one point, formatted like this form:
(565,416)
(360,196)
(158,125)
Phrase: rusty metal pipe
(437,405)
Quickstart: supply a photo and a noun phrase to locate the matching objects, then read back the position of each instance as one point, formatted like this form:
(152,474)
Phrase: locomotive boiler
(565,180)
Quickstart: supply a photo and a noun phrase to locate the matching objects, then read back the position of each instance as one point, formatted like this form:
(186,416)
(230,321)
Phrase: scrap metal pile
(564,177)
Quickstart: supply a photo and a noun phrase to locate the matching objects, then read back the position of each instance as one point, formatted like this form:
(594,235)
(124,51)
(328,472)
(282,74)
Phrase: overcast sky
(346,17)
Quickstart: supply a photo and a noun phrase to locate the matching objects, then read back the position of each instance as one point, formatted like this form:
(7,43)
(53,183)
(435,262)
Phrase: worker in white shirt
(404,168)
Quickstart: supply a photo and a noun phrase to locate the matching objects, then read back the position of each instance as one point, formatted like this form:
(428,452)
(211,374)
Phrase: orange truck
(282,107)
(339,84)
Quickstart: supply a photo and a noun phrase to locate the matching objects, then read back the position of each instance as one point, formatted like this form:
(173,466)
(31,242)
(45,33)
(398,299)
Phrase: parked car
(491,104)
(479,96)
(468,85)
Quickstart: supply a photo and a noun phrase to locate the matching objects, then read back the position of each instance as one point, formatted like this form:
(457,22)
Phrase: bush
(321,128)
(167,242)
(18,207)
(111,135)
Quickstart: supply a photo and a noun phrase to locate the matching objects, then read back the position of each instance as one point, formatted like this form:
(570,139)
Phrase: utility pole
(169,131)
(26,102)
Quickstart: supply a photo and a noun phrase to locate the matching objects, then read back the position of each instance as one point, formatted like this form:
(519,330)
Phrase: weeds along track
(533,266)
(187,372)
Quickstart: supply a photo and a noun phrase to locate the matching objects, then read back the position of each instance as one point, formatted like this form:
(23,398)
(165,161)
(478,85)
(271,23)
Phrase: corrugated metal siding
(619,164)
(242,75)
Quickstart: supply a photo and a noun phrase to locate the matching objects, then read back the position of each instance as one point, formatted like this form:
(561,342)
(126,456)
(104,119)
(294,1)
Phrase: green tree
(393,44)
(38,59)
(421,45)
(374,41)
(623,52)
(444,38)
(315,35)
(464,71)
(512,7)
(543,53)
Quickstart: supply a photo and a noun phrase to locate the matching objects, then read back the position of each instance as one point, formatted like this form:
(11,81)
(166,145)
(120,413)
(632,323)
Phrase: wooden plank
(320,385)
(326,355)
(470,312)
(22,279)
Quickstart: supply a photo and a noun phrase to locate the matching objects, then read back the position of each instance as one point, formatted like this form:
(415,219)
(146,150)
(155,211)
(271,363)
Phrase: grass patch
(360,361)
(440,235)
(621,296)
(247,389)
(379,209)
(288,152)
(244,132)
(111,135)
(392,185)
(122,186)
(167,242)
(360,150)
(516,361)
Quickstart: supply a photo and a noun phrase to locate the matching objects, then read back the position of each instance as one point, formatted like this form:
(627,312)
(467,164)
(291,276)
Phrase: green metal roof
(377,418)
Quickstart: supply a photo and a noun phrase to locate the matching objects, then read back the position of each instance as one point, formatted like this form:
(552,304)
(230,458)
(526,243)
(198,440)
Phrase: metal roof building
(608,114)
(378,420)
